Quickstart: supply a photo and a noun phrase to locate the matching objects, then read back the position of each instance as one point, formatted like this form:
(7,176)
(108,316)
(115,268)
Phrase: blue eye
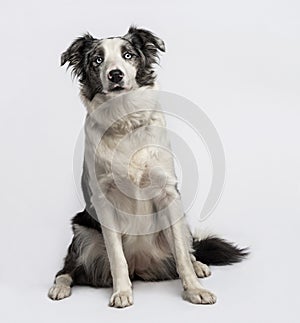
(127,55)
(98,60)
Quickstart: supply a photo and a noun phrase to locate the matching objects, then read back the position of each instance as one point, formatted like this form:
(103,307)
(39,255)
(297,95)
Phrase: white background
(237,59)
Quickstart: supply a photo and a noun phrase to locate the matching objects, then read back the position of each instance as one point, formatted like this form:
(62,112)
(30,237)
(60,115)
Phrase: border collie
(115,73)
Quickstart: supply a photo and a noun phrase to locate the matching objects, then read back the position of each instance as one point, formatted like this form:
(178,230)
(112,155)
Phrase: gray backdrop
(239,61)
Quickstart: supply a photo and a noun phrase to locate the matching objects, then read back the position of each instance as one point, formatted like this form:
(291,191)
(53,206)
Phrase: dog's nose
(115,76)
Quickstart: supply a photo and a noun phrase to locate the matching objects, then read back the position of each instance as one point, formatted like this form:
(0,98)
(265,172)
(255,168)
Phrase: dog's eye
(98,60)
(127,55)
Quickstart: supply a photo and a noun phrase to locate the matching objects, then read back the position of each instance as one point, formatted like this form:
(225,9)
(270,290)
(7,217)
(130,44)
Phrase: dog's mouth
(117,88)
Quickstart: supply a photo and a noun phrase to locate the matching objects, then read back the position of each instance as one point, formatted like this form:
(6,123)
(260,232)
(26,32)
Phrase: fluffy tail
(218,252)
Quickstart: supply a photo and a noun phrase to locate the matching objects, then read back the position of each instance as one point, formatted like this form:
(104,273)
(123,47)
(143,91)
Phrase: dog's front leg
(179,241)
(122,290)
(193,290)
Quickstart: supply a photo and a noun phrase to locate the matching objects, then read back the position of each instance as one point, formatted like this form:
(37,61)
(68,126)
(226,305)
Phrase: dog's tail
(218,252)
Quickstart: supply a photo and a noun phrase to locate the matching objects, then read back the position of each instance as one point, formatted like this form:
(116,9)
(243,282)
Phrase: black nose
(115,76)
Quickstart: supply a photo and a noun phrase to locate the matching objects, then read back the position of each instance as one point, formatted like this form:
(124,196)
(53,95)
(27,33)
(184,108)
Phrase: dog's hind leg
(61,287)
(201,269)
(64,278)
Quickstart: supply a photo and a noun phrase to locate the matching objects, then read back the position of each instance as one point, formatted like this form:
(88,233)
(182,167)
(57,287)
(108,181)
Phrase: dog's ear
(145,40)
(75,54)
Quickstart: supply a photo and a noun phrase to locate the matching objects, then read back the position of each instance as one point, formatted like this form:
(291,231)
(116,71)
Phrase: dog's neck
(100,98)
(126,112)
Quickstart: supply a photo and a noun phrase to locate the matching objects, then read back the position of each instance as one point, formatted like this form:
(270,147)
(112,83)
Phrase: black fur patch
(86,220)
(147,45)
(77,57)
(218,252)
(98,275)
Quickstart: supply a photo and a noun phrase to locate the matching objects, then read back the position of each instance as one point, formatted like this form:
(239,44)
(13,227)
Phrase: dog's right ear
(75,54)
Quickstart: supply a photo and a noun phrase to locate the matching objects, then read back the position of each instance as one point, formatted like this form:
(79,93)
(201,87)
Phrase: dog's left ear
(144,40)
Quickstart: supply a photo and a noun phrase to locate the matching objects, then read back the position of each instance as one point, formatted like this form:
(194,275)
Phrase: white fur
(143,158)
(115,61)
(201,269)
(61,288)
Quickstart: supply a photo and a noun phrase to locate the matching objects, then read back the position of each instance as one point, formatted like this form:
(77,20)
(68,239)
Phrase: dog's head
(114,65)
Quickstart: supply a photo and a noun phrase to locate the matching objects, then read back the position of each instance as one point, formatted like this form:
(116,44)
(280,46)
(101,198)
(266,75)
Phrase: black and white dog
(109,71)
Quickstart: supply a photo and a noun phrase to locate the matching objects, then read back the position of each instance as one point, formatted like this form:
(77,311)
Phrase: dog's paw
(121,299)
(201,269)
(59,291)
(199,296)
